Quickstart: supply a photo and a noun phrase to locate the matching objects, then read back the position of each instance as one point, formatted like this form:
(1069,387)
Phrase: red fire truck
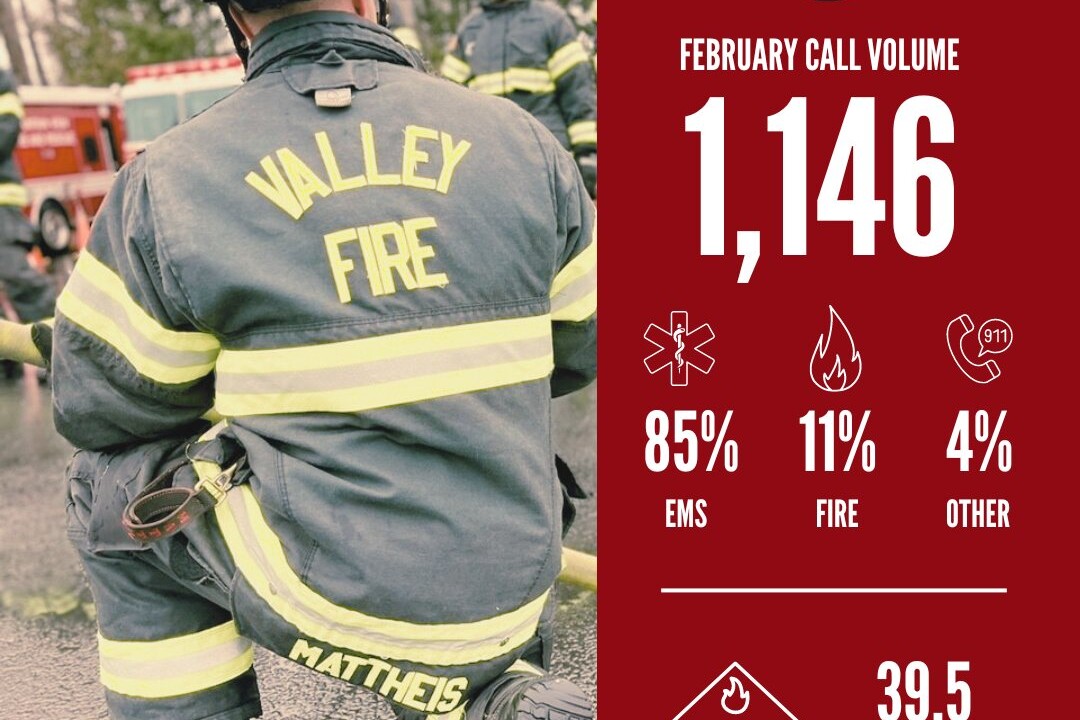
(69,150)
(157,97)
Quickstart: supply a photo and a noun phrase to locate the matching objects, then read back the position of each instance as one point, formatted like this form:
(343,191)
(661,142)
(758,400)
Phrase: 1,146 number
(855,148)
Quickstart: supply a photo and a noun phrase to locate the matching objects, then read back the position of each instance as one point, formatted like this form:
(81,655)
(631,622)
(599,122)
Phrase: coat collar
(308,36)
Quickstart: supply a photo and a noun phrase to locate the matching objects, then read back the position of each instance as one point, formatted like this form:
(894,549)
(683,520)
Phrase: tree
(10,29)
(31,37)
(96,40)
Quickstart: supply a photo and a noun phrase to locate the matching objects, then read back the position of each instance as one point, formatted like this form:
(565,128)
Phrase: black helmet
(240,42)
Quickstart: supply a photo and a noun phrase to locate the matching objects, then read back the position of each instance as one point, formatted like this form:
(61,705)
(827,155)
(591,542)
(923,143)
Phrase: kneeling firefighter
(379,279)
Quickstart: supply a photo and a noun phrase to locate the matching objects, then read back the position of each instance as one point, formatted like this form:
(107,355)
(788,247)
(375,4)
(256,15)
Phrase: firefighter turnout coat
(528,51)
(380,279)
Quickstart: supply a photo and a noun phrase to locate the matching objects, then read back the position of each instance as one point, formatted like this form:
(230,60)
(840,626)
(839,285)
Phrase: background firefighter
(529,51)
(30,293)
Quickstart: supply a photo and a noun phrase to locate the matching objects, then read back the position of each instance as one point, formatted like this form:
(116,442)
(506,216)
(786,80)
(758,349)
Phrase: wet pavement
(48,652)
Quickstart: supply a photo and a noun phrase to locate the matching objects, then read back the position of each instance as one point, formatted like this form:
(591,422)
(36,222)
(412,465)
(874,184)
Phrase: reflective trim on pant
(174,666)
(259,555)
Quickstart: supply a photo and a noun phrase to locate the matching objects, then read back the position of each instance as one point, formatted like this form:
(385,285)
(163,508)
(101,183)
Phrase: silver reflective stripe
(172,667)
(376,372)
(79,286)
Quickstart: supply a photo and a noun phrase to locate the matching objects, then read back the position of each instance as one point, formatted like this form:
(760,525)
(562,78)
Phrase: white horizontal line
(836,591)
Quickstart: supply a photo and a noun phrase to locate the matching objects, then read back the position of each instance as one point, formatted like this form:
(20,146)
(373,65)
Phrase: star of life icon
(735,693)
(679,348)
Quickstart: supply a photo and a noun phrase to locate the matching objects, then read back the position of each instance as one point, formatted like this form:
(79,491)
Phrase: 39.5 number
(915,678)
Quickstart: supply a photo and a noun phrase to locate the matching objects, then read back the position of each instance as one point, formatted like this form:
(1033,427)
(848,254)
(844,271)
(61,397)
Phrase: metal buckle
(219,485)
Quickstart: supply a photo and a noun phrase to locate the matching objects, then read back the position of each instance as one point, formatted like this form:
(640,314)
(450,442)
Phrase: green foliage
(96,40)
(437,21)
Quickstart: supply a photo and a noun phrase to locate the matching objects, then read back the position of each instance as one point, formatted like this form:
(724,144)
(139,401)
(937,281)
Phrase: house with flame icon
(735,693)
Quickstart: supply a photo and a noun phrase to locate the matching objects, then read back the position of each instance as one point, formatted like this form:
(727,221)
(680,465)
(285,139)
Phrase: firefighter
(528,51)
(31,294)
(379,280)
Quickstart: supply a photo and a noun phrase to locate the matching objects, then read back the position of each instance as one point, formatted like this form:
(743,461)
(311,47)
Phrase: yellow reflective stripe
(566,58)
(408,36)
(96,299)
(573,291)
(174,666)
(10,104)
(580,309)
(456,69)
(13,194)
(381,347)
(405,367)
(581,265)
(386,394)
(523,667)
(533,80)
(583,131)
(261,559)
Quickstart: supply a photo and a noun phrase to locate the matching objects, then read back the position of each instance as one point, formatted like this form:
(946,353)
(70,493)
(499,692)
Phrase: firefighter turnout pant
(177,618)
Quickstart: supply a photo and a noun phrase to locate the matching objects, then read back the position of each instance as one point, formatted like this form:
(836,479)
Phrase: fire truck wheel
(55,230)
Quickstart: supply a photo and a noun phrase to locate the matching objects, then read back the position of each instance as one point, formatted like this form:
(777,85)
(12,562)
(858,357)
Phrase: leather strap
(162,509)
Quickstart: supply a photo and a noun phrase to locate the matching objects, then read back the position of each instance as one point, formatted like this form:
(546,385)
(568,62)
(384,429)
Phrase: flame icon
(736,687)
(835,364)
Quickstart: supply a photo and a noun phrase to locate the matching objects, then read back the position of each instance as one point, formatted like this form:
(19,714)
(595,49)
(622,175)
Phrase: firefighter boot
(524,693)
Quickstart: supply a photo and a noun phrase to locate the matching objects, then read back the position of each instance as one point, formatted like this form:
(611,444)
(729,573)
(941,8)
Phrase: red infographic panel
(835,475)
